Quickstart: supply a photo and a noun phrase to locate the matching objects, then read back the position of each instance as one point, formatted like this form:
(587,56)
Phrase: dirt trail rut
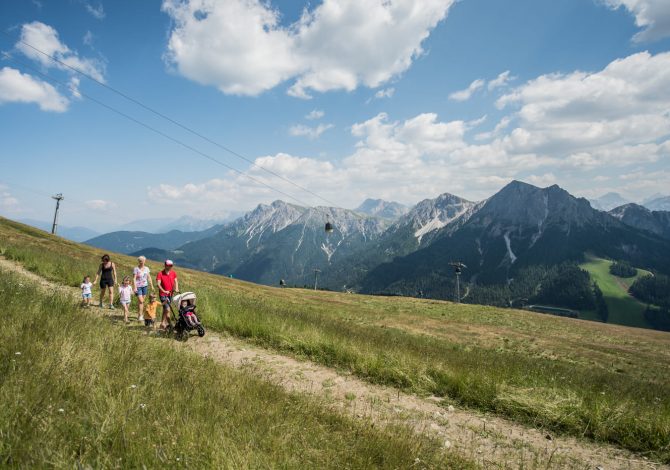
(491,441)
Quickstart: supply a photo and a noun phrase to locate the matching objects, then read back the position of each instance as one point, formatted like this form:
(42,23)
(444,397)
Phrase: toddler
(187,309)
(125,295)
(150,311)
(86,291)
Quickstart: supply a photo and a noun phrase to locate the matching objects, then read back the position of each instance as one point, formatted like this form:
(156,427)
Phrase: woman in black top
(107,275)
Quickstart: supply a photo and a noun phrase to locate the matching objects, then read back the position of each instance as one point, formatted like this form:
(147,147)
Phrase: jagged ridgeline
(507,241)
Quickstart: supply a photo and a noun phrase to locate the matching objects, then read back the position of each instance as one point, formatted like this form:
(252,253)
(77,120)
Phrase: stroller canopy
(184,296)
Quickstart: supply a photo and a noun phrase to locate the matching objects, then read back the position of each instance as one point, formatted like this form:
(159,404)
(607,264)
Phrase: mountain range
(127,242)
(519,227)
(384,247)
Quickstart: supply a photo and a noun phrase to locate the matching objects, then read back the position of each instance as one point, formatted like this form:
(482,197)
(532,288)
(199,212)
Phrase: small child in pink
(188,311)
(125,296)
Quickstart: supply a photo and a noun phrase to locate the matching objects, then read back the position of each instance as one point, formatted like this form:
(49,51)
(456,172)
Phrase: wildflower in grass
(17,353)
(143,406)
(133,386)
(61,410)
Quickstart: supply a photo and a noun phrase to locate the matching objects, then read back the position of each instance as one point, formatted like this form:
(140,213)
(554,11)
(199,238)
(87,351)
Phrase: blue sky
(350,99)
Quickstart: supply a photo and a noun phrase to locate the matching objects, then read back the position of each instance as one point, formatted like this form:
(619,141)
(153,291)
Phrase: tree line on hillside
(655,292)
(622,269)
(565,285)
(652,289)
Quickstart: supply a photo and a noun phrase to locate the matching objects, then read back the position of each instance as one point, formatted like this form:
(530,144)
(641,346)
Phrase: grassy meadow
(79,392)
(624,309)
(603,382)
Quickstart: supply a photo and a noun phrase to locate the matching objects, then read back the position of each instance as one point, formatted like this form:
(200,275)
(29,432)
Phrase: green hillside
(78,392)
(602,382)
(624,309)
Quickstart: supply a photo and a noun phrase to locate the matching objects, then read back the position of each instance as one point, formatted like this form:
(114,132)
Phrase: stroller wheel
(201,331)
(181,334)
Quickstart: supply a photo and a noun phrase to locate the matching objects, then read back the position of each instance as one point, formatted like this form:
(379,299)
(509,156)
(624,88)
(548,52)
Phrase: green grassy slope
(79,392)
(624,309)
(604,382)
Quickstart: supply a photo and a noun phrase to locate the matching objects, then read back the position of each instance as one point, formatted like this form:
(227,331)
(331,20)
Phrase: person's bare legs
(140,306)
(166,319)
(125,311)
(111,297)
(102,295)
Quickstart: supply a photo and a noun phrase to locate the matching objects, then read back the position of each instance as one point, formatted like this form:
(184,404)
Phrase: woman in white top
(141,282)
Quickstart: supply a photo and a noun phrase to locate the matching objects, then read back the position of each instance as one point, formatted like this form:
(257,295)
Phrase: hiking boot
(111,307)
(140,318)
(101,305)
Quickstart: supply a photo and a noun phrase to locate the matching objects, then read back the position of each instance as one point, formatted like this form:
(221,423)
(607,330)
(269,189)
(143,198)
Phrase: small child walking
(86,295)
(150,311)
(125,296)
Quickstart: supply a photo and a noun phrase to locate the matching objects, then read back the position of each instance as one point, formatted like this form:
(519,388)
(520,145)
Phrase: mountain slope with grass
(94,395)
(624,309)
(601,382)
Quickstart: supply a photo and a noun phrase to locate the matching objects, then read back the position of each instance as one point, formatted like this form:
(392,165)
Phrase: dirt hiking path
(490,441)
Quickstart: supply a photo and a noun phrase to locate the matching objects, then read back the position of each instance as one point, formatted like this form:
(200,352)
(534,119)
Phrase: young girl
(86,295)
(125,295)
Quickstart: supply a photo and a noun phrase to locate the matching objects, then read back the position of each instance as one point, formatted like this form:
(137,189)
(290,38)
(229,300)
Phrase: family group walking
(139,285)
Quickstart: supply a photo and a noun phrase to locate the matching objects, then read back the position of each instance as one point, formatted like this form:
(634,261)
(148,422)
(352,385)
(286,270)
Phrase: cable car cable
(171,120)
(153,129)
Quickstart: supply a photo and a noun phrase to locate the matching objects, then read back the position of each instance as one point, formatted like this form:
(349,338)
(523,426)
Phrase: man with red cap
(167,285)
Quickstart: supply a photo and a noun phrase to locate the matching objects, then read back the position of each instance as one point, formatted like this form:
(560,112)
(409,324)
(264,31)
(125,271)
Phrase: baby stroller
(186,320)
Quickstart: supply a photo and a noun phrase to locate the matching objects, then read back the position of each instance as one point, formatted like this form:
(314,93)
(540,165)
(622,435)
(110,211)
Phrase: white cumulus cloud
(466,94)
(585,114)
(385,93)
(500,81)
(45,38)
(18,87)
(100,205)
(579,129)
(653,16)
(240,47)
(315,114)
(308,131)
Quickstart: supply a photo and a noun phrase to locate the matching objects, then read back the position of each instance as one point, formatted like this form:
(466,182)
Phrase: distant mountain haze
(76,234)
(383,209)
(658,204)
(128,242)
(608,201)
